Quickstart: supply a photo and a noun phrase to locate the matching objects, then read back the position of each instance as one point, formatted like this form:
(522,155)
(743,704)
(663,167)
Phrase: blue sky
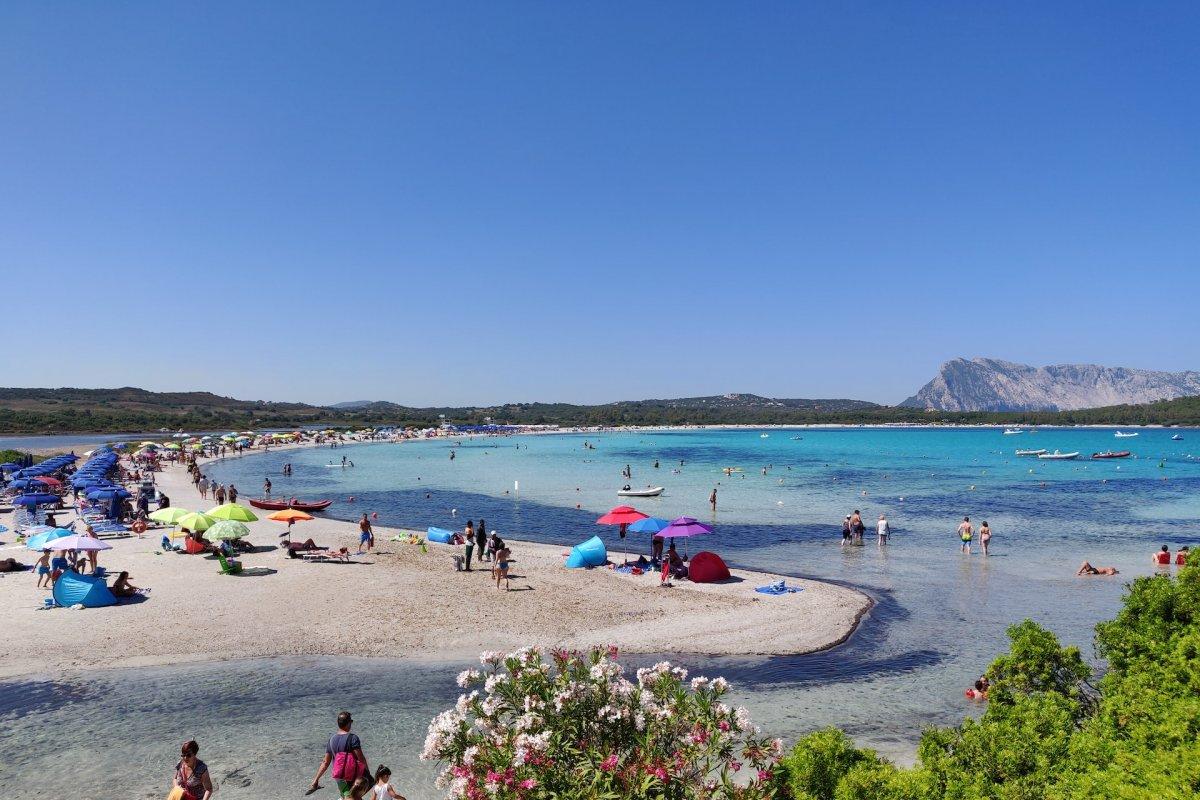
(483,202)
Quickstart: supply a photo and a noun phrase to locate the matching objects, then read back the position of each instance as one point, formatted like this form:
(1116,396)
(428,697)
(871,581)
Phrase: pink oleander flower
(735,765)
(764,775)
(723,725)
(528,783)
(609,764)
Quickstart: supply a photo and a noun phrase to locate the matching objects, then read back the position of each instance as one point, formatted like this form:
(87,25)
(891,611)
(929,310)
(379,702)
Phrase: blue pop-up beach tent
(73,589)
(440,535)
(588,554)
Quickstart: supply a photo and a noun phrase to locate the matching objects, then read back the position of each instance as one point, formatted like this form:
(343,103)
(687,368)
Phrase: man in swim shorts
(966,533)
(365,534)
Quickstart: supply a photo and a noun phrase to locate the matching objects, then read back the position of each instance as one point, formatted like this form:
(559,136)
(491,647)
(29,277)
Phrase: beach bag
(346,766)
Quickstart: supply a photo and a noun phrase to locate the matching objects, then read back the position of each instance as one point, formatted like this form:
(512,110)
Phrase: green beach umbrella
(227,529)
(169,515)
(196,522)
(233,511)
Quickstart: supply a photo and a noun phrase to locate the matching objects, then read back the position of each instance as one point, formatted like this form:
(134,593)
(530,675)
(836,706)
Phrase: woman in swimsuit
(1088,569)
(502,557)
(985,536)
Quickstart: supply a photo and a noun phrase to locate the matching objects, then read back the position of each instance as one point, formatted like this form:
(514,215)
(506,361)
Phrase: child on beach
(43,569)
(382,790)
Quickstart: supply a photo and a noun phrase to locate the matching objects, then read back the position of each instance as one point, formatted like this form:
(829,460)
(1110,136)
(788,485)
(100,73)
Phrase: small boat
(1031,452)
(1111,454)
(654,492)
(764,435)
(1012,431)
(1121,435)
(280,505)
(1059,456)
(1177,438)
(797,438)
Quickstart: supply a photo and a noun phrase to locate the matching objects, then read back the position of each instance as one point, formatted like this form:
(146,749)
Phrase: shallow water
(940,616)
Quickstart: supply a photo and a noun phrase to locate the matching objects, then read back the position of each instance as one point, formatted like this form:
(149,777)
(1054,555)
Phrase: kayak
(1111,454)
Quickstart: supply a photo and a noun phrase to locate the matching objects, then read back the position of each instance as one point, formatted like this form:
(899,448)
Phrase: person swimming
(1088,569)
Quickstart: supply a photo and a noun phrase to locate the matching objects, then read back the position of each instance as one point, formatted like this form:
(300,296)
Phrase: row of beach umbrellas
(634,521)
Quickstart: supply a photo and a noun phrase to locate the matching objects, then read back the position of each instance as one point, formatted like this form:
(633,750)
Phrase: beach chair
(229,567)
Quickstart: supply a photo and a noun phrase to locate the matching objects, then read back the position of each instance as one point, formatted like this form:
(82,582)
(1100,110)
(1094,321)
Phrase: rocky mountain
(988,384)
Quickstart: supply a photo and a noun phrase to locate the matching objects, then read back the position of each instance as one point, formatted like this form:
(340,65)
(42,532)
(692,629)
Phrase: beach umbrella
(48,481)
(684,527)
(290,515)
(623,516)
(171,446)
(227,529)
(196,522)
(76,542)
(648,525)
(170,515)
(40,541)
(39,499)
(233,511)
(107,493)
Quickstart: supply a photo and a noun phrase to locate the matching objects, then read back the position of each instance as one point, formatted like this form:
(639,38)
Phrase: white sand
(397,602)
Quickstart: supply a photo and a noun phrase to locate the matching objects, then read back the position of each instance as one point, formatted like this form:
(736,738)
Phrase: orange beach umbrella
(289,515)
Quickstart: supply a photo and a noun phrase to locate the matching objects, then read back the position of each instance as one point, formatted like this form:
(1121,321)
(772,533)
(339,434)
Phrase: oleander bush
(570,724)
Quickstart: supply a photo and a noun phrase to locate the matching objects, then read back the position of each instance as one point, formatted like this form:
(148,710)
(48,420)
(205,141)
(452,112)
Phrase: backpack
(345,765)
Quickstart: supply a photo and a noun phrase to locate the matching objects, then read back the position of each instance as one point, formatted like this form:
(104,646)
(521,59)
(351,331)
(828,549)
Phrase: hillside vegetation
(129,409)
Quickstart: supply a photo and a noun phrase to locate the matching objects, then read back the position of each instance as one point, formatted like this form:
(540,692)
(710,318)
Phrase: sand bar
(397,602)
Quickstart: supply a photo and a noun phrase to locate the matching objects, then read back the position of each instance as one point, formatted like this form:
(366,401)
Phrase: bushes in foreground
(573,726)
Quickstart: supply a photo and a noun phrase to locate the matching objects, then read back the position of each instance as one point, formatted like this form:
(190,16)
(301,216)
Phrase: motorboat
(1121,435)
(651,492)
(1177,438)
(764,436)
(280,505)
(1031,452)
(1012,431)
(1111,454)
(797,438)
(1058,455)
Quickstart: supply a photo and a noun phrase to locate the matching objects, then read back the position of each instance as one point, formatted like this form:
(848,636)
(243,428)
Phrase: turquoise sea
(940,616)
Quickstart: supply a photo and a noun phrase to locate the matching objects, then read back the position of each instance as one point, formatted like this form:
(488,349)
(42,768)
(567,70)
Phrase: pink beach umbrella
(77,542)
(684,527)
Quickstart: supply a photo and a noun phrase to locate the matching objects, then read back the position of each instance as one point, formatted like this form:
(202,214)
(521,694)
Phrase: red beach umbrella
(622,515)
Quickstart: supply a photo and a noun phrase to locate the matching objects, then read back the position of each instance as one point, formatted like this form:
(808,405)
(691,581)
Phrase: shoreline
(400,600)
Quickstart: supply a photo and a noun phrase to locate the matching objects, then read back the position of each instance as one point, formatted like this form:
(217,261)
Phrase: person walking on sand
(468,544)
(43,569)
(366,535)
(232,494)
(883,529)
(203,487)
(985,536)
(344,752)
(965,534)
(503,555)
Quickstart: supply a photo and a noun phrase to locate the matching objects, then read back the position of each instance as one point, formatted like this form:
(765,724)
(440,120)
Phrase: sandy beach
(397,601)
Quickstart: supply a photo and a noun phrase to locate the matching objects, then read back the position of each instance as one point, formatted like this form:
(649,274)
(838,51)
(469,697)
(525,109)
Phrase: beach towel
(779,587)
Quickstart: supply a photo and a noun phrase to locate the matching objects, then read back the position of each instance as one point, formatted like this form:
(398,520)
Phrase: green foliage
(1047,734)
(129,409)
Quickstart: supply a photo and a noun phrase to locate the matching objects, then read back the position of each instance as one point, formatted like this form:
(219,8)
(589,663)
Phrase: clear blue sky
(482,202)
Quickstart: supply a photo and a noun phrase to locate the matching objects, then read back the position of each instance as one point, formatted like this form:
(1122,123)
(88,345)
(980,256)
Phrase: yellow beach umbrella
(196,521)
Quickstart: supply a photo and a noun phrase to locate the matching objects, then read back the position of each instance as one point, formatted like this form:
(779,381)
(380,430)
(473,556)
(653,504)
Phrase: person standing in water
(884,530)
(856,525)
(985,536)
(266,487)
(712,499)
(965,534)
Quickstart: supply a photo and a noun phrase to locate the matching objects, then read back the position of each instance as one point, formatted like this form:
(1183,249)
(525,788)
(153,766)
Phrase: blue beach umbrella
(42,540)
(648,525)
(107,493)
(39,499)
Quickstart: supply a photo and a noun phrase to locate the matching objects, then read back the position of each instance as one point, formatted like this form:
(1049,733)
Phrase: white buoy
(516,487)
